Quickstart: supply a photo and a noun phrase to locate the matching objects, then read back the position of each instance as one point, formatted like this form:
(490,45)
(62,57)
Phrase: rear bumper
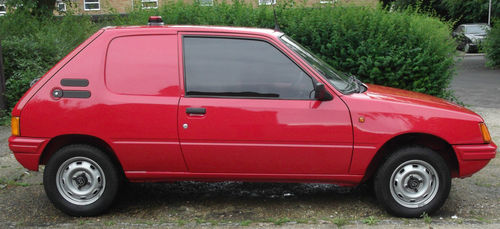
(27,150)
(472,158)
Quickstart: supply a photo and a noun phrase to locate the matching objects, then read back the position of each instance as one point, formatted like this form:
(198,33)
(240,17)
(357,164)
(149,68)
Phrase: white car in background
(470,36)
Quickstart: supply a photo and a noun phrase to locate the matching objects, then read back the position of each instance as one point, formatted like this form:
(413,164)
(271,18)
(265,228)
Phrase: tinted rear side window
(241,68)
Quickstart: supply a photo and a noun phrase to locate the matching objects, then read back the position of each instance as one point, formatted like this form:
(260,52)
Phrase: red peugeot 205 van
(171,103)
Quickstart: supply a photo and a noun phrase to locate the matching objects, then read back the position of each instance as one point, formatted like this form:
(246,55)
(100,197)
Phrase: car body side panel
(266,136)
(258,136)
(141,129)
(387,117)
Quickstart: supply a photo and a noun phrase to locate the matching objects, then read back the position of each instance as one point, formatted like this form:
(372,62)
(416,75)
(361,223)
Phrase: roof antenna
(276,24)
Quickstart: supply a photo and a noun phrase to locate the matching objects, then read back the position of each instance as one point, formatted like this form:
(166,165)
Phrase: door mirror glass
(320,92)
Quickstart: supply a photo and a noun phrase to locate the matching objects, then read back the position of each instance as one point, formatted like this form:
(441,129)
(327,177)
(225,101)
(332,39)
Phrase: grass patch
(181,222)
(427,218)
(482,219)
(370,220)
(149,223)
(484,184)
(302,221)
(109,223)
(282,221)
(340,222)
(245,222)
(10,183)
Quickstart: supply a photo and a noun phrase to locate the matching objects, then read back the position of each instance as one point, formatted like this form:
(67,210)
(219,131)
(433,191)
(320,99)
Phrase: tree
(35,7)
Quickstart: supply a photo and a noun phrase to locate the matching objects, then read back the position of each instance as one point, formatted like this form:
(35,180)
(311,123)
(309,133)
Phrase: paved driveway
(476,85)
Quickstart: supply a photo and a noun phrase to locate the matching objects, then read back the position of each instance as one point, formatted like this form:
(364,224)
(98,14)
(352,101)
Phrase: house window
(3,9)
(91,4)
(61,6)
(267,2)
(149,4)
(206,2)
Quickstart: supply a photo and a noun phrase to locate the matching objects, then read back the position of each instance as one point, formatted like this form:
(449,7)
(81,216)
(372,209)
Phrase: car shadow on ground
(245,201)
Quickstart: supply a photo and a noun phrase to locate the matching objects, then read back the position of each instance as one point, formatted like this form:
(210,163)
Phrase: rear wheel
(81,180)
(413,181)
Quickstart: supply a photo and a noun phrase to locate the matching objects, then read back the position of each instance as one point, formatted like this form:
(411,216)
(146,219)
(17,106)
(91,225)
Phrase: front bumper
(28,150)
(472,158)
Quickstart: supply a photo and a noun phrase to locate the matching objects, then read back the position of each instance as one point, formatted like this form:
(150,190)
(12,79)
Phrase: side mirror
(320,92)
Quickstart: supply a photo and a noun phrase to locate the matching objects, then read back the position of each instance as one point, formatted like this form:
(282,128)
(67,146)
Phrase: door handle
(196,110)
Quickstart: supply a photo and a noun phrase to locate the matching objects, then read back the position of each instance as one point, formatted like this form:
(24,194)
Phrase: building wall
(122,6)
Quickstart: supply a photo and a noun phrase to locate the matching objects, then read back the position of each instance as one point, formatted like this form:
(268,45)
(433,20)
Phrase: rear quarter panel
(142,130)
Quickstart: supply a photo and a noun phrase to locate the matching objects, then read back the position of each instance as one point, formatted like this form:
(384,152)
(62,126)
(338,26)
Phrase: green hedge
(492,46)
(398,49)
(32,45)
(402,50)
(458,11)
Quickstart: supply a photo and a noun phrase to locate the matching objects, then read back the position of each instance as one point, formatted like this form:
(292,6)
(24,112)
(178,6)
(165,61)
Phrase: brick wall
(122,6)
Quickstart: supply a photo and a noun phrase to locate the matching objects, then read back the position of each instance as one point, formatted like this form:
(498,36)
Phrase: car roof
(198,28)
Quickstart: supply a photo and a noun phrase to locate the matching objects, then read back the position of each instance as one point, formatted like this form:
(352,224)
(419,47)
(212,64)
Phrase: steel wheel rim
(80,181)
(414,183)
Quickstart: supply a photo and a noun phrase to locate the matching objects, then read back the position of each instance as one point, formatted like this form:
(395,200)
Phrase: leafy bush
(32,45)
(492,46)
(398,49)
(403,50)
(459,11)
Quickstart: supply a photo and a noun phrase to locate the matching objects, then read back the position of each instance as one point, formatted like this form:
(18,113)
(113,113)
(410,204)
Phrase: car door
(248,108)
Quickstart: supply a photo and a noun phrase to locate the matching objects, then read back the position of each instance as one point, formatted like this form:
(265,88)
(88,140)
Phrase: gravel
(473,202)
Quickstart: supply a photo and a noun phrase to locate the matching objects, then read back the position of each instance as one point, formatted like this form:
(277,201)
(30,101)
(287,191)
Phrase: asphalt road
(473,203)
(476,85)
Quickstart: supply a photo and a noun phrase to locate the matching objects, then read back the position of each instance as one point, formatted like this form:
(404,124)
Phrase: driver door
(247,109)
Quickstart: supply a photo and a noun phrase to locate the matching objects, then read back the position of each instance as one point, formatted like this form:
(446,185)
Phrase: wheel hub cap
(414,183)
(80,180)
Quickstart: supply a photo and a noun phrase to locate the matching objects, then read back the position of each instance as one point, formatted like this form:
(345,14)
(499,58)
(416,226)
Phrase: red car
(171,103)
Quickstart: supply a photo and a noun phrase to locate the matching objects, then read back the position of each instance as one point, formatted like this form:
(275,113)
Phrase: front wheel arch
(437,144)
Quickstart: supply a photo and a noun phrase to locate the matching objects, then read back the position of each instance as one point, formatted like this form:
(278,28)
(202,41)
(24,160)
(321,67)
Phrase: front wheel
(81,180)
(413,181)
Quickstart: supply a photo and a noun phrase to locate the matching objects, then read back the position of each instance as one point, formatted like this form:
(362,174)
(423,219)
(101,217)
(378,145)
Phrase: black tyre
(412,181)
(81,180)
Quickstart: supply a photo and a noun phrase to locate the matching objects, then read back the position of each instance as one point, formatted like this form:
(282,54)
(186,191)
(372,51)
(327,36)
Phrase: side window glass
(242,68)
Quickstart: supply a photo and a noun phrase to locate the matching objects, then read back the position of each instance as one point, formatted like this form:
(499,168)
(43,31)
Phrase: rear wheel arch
(430,141)
(61,141)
